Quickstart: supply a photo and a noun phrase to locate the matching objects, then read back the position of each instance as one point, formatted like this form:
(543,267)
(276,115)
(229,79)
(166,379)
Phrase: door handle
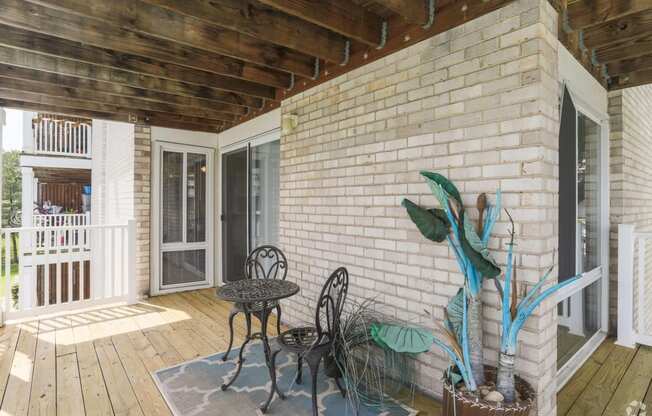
(223,218)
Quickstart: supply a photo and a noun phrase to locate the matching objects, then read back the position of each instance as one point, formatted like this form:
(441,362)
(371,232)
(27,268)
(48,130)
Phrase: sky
(12,130)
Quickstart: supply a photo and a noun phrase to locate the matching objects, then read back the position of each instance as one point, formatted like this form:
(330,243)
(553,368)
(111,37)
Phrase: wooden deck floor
(608,383)
(99,362)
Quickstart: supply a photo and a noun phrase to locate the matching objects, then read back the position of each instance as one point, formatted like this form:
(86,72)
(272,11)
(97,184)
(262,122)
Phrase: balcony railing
(50,269)
(634,286)
(61,220)
(61,137)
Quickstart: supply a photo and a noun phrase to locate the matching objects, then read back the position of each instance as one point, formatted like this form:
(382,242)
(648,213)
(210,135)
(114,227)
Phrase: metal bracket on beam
(594,59)
(291,87)
(430,4)
(347,53)
(605,73)
(582,46)
(316,73)
(384,32)
(565,23)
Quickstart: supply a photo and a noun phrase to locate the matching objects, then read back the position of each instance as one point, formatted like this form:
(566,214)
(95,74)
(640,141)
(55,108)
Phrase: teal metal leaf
(477,252)
(432,223)
(401,338)
(455,315)
(445,184)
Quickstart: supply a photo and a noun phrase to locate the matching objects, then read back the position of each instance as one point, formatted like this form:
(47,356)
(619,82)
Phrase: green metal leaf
(455,314)
(401,338)
(444,183)
(432,223)
(477,252)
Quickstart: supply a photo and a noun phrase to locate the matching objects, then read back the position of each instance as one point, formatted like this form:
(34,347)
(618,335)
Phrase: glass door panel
(185,201)
(172,197)
(234,214)
(264,193)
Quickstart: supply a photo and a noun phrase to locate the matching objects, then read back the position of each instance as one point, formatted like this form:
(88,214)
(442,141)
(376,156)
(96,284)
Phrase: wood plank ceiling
(210,64)
(611,38)
(198,64)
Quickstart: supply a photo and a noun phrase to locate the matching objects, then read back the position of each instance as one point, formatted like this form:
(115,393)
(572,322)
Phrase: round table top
(257,290)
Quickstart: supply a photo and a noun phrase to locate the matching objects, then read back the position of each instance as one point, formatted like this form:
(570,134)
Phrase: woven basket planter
(456,403)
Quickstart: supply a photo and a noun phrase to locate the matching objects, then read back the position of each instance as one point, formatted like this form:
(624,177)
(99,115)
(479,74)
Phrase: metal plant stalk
(451,222)
(514,316)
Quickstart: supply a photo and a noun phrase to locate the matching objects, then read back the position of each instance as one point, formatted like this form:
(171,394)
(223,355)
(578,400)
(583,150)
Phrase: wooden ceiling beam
(582,14)
(618,30)
(26,59)
(632,79)
(247,17)
(413,11)
(83,108)
(628,49)
(175,41)
(10,71)
(52,90)
(630,65)
(229,67)
(341,16)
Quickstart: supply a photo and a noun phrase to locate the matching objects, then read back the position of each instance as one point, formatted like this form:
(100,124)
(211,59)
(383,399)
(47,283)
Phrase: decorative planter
(456,403)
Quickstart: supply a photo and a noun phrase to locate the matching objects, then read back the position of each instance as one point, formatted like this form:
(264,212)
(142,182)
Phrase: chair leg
(232,315)
(339,386)
(299,369)
(313,363)
(278,319)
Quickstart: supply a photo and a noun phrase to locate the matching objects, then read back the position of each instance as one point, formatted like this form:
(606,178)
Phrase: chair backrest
(266,262)
(330,305)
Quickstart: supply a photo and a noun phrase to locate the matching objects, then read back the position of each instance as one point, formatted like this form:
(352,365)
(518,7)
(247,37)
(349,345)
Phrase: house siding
(478,103)
(630,171)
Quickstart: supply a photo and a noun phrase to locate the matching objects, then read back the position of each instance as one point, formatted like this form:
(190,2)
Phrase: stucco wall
(479,104)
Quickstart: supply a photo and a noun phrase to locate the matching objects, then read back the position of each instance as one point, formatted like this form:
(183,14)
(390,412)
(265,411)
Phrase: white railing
(50,269)
(61,137)
(61,220)
(634,286)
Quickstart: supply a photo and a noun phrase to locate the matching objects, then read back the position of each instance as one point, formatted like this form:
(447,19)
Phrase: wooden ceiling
(611,38)
(199,64)
(210,64)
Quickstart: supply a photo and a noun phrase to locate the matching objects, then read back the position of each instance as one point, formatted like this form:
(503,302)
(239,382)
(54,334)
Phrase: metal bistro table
(255,296)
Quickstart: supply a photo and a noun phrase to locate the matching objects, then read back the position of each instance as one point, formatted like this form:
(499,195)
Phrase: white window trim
(601,272)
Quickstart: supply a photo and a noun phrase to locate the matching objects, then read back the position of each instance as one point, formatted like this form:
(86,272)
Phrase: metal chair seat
(298,340)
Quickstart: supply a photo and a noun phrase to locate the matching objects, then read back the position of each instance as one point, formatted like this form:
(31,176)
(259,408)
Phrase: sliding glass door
(583,233)
(250,200)
(183,217)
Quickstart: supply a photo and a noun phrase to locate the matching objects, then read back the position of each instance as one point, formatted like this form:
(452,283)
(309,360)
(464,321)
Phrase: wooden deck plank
(43,397)
(123,398)
(636,382)
(70,401)
(596,397)
(143,386)
(64,337)
(94,392)
(16,397)
(8,342)
(581,379)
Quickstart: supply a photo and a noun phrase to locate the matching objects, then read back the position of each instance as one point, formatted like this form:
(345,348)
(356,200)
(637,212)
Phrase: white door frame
(600,273)
(157,248)
(262,138)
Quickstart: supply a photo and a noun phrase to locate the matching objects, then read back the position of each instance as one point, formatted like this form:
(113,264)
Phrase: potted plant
(471,387)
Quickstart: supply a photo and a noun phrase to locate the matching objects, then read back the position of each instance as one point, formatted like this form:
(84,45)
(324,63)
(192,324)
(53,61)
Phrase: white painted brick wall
(630,112)
(478,104)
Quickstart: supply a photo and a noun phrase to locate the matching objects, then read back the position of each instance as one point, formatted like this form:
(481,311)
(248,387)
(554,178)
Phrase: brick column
(142,206)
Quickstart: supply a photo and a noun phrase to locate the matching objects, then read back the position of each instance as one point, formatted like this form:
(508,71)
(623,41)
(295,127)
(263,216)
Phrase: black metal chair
(265,262)
(314,343)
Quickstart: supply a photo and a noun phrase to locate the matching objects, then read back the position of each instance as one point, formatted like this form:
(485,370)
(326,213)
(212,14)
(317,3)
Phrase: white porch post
(626,337)
(26,272)
(2,123)
(132,295)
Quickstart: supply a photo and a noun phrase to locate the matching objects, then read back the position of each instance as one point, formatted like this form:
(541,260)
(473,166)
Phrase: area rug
(193,388)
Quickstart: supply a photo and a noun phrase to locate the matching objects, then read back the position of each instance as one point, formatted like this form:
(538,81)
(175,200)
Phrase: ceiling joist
(340,16)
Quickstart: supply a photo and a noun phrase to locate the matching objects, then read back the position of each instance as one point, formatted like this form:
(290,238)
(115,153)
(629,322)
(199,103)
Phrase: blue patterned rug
(193,388)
